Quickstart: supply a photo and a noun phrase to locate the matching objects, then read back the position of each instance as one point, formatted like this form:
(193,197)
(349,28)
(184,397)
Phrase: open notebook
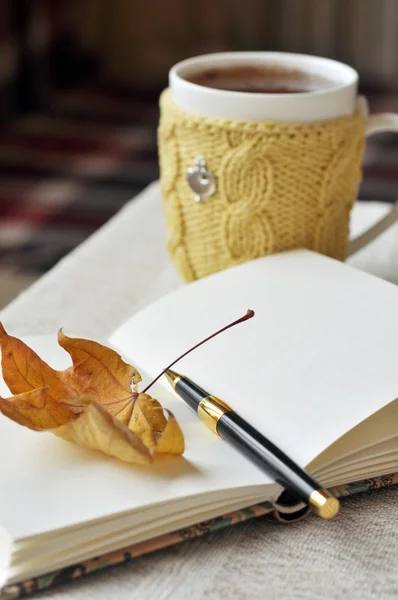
(315,371)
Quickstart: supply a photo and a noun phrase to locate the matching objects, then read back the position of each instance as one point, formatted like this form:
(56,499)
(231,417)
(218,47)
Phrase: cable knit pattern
(279,187)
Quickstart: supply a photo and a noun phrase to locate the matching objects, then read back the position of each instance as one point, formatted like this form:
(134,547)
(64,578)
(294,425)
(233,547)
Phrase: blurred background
(79,84)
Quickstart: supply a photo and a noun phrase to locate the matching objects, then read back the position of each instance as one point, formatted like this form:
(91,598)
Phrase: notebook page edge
(224,508)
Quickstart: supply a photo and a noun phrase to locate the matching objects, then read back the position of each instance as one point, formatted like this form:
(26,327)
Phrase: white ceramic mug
(337,100)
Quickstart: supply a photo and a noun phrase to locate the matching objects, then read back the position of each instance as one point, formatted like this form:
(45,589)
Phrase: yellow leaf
(37,410)
(117,420)
(24,370)
(147,419)
(171,440)
(96,429)
(96,371)
(100,372)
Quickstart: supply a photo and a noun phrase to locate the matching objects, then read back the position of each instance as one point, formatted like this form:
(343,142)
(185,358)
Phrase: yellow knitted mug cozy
(277,187)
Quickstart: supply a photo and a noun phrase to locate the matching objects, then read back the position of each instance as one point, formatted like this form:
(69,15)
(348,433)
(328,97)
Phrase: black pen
(222,420)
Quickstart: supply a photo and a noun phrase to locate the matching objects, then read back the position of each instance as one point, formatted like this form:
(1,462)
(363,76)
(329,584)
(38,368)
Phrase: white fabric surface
(120,269)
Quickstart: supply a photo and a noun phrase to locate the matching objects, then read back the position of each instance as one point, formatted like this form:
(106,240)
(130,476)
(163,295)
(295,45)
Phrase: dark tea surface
(260,80)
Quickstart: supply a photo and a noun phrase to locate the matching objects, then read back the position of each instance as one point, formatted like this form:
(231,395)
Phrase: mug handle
(375,124)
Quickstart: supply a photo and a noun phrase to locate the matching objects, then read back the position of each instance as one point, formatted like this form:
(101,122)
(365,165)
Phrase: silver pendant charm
(201,181)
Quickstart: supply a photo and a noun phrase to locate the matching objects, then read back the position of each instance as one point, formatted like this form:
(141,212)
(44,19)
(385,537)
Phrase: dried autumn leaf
(99,371)
(46,398)
(96,370)
(171,440)
(24,370)
(147,419)
(96,429)
(37,410)
(162,434)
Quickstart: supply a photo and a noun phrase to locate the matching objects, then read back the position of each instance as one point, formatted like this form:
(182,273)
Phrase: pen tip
(172,377)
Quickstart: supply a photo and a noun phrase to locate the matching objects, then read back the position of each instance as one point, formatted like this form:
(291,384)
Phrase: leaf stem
(250,313)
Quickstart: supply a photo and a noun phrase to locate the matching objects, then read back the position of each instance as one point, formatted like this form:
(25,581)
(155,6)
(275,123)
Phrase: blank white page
(319,356)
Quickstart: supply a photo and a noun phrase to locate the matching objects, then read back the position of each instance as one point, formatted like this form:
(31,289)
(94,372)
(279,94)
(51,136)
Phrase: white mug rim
(331,102)
(278,57)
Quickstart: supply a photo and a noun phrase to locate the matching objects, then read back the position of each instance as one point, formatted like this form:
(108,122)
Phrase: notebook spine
(287,509)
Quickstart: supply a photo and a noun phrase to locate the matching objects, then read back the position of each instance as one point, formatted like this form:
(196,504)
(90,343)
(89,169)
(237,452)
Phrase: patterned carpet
(66,172)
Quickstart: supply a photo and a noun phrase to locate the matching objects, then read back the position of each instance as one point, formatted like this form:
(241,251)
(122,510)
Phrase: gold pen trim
(210,411)
(172,377)
(326,505)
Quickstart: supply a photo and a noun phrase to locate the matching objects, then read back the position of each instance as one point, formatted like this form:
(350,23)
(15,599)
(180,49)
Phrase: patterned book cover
(128,554)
